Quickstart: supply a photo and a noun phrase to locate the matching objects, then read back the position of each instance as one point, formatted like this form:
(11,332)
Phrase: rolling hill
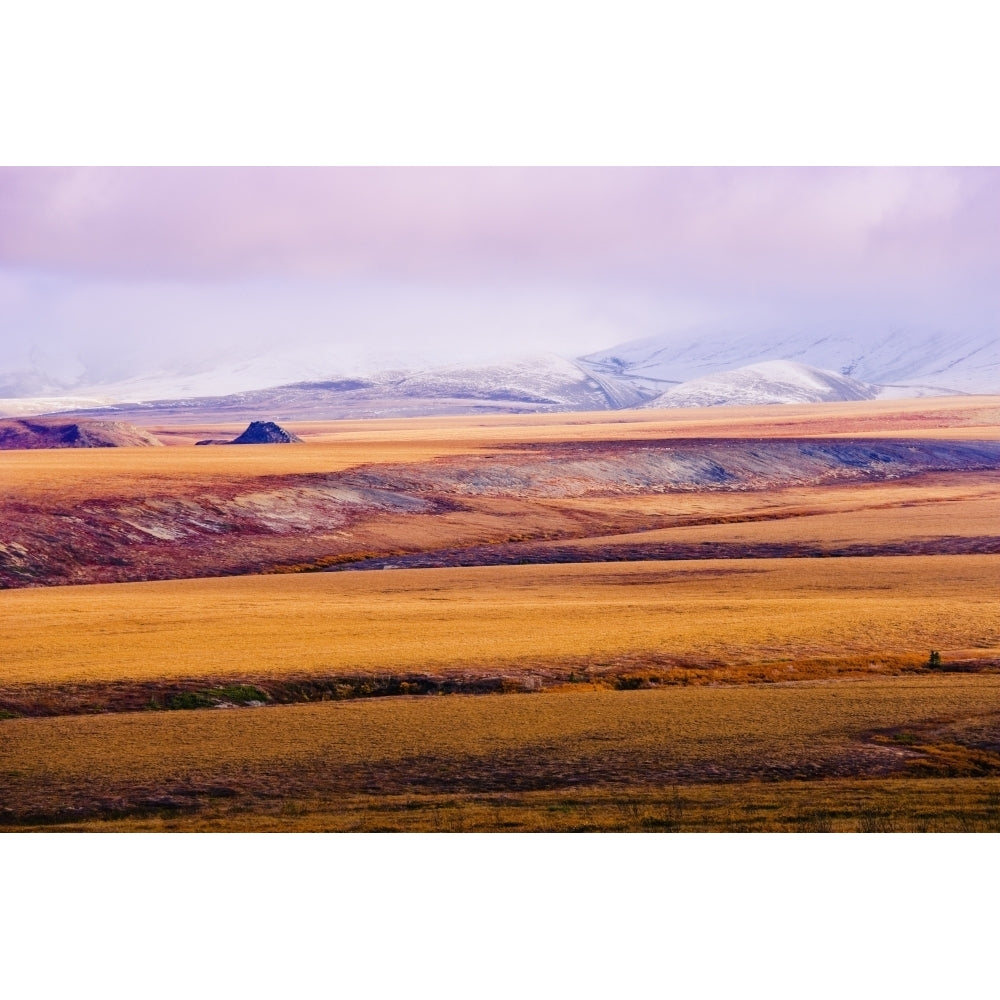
(55,433)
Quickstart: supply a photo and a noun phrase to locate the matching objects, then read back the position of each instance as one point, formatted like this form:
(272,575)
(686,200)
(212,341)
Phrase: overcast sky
(107,271)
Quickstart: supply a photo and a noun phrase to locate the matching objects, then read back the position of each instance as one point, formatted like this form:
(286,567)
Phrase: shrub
(189,700)
(240,693)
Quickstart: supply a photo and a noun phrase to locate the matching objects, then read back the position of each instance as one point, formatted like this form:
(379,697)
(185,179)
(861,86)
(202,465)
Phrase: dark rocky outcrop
(266,432)
(261,432)
(52,432)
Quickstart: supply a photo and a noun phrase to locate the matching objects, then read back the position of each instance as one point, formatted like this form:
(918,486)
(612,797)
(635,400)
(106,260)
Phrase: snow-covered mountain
(693,371)
(535,384)
(764,383)
(902,362)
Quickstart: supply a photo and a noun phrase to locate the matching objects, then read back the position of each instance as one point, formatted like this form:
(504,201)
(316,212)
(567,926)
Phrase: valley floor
(582,652)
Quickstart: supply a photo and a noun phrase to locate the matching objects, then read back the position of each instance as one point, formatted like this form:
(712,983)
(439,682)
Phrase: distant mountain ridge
(710,370)
(534,384)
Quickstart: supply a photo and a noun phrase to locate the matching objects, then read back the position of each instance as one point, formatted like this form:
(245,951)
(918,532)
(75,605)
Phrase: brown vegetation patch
(548,554)
(784,748)
(872,805)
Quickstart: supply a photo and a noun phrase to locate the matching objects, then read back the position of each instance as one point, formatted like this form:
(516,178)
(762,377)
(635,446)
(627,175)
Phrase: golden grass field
(507,618)
(777,693)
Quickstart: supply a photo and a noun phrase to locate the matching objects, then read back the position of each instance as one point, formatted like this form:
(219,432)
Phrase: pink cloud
(688,227)
(99,262)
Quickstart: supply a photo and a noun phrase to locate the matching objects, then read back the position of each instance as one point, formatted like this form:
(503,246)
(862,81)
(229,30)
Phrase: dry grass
(627,752)
(894,805)
(736,612)
(80,473)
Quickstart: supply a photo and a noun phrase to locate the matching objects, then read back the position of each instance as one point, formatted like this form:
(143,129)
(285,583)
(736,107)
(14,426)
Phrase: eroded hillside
(482,504)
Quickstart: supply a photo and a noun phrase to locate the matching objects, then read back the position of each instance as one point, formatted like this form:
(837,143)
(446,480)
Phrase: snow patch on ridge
(766,383)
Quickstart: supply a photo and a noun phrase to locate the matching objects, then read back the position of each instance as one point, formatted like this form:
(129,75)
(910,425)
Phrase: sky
(110,273)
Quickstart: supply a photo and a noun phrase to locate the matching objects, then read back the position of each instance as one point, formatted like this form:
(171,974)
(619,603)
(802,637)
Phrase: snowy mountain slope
(764,383)
(539,383)
(927,361)
(696,371)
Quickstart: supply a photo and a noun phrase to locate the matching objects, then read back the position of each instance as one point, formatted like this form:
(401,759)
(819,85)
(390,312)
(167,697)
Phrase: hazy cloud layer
(105,270)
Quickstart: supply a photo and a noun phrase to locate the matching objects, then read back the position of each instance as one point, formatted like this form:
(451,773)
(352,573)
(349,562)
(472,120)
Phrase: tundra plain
(676,620)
